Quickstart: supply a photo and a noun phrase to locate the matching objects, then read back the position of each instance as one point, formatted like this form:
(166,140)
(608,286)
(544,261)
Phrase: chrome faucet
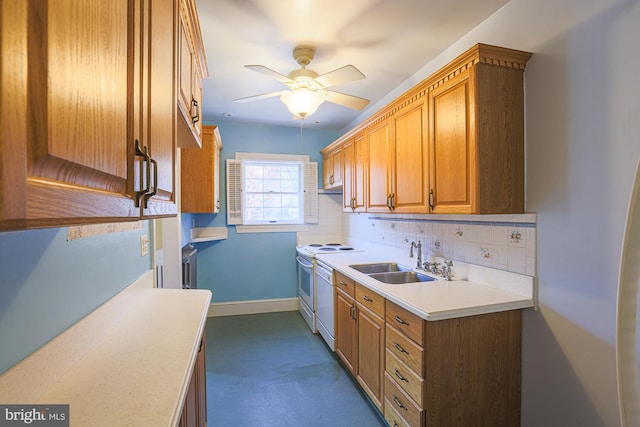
(419,248)
(446,269)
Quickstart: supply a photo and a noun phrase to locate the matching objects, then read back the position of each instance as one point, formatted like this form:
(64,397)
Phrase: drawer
(405,378)
(405,349)
(346,284)
(406,322)
(367,298)
(391,415)
(396,400)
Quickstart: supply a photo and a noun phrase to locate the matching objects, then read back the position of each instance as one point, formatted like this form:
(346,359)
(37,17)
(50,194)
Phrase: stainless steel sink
(399,277)
(379,267)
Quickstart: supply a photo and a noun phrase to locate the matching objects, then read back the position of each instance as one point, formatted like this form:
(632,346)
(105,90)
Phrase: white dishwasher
(324,303)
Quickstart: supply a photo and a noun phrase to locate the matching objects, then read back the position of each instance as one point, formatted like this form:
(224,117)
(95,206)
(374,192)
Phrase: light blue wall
(48,283)
(262,265)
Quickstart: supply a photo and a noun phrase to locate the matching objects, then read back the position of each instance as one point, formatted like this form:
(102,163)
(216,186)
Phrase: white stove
(315,287)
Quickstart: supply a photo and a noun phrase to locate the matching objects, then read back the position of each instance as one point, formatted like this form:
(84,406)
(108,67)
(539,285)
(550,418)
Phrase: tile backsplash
(504,242)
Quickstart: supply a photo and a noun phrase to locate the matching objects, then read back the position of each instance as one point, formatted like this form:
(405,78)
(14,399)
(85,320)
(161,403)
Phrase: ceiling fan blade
(269,72)
(257,97)
(345,74)
(347,100)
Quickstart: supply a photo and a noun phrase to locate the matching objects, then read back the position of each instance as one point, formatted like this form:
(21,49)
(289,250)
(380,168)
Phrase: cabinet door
(346,344)
(67,147)
(200,180)
(337,168)
(359,177)
(185,66)
(410,162)
(378,192)
(161,108)
(327,170)
(452,145)
(371,354)
(347,186)
(200,372)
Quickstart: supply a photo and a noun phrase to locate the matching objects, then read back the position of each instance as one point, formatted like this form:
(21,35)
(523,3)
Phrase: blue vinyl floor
(270,370)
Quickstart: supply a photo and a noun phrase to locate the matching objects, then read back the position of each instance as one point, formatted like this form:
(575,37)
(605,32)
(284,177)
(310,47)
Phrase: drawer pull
(402,322)
(400,377)
(343,283)
(366,298)
(400,405)
(399,348)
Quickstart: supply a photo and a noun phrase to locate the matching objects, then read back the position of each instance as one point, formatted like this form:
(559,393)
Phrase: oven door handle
(302,263)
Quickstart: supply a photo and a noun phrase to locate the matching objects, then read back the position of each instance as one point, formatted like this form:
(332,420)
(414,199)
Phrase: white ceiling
(387,40)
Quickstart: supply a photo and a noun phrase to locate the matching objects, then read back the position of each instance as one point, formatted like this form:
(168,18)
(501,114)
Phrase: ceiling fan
(307,89)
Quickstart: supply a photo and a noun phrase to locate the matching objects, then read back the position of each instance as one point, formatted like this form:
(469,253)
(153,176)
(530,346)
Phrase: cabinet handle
(400,377)
(351,312)
(144,152)
(366,298)
(399,348)
(342,283)
(389,201)
(194,104)
(402,322)
(150,194)
(431,206)
(400,405)
(393,201)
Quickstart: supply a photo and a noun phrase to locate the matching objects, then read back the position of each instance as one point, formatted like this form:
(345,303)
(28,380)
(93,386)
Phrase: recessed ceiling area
(386,40)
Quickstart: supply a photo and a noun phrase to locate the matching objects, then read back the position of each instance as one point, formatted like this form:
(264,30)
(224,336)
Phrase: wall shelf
(207,234)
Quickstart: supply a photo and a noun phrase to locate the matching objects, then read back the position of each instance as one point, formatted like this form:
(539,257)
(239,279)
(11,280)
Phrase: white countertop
(487,291)
(127,363)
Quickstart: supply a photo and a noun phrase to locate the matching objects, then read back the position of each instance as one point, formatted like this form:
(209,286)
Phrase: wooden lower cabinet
(345,329)
(194,411)
(464,371)
(469,372)
(360,331)
(371,354)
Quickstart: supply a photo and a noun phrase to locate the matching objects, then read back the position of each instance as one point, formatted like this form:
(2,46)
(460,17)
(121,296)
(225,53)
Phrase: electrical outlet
(144,245)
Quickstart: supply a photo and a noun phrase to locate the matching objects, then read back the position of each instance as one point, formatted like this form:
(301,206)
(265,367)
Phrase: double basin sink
(391,273)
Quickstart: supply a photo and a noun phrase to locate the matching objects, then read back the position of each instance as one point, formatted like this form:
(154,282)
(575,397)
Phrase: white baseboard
(252,307)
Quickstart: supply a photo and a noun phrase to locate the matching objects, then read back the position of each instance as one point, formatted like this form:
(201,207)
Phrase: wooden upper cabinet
(453,144)
(77,95)
(332,169)
(161,110)
(192,68)
(354,159)
(476,133)
(200,174)
(378,138)
(409,162)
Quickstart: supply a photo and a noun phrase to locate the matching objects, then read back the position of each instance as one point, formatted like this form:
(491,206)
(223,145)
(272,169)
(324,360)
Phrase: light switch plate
(144,245)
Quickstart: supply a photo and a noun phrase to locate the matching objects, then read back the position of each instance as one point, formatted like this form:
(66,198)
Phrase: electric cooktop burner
(325,248)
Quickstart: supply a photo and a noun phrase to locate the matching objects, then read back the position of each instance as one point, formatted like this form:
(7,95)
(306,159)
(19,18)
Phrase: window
(271,192)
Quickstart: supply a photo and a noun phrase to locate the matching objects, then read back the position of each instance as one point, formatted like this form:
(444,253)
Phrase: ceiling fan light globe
(303,102)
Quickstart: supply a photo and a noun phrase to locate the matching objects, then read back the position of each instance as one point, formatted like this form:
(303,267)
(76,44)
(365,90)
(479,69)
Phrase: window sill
(282,228)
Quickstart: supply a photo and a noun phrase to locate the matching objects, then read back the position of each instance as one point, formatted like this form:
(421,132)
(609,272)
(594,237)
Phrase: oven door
(306,290)
(305,280)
